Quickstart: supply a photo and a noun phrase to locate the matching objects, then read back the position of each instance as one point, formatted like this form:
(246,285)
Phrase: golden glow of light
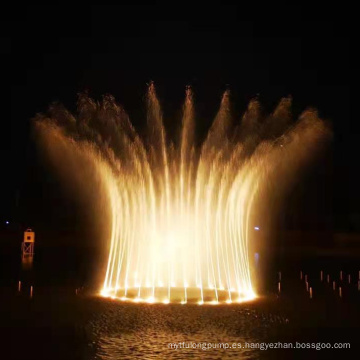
(104,293)
(181,215)
(150,300)
(166,301)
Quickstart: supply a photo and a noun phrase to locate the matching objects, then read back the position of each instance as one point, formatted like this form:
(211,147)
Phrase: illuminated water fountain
(181,214)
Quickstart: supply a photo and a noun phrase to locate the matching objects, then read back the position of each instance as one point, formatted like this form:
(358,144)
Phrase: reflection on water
(60,323)
(27,262)
(127,331)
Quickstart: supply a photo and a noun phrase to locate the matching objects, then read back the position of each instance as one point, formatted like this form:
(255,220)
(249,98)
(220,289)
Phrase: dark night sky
(51,53)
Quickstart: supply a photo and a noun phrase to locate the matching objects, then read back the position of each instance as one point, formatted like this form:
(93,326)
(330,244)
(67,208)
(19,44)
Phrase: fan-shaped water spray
(180,215)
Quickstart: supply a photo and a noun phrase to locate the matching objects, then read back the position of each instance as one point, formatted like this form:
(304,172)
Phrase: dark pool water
(130,331)
(58,324)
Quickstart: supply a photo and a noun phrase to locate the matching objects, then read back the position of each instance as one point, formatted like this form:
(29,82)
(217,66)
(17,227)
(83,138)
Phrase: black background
(52,52)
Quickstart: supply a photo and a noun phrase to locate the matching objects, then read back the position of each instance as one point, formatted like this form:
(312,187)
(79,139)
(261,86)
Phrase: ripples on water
(128,331)
(57,324)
